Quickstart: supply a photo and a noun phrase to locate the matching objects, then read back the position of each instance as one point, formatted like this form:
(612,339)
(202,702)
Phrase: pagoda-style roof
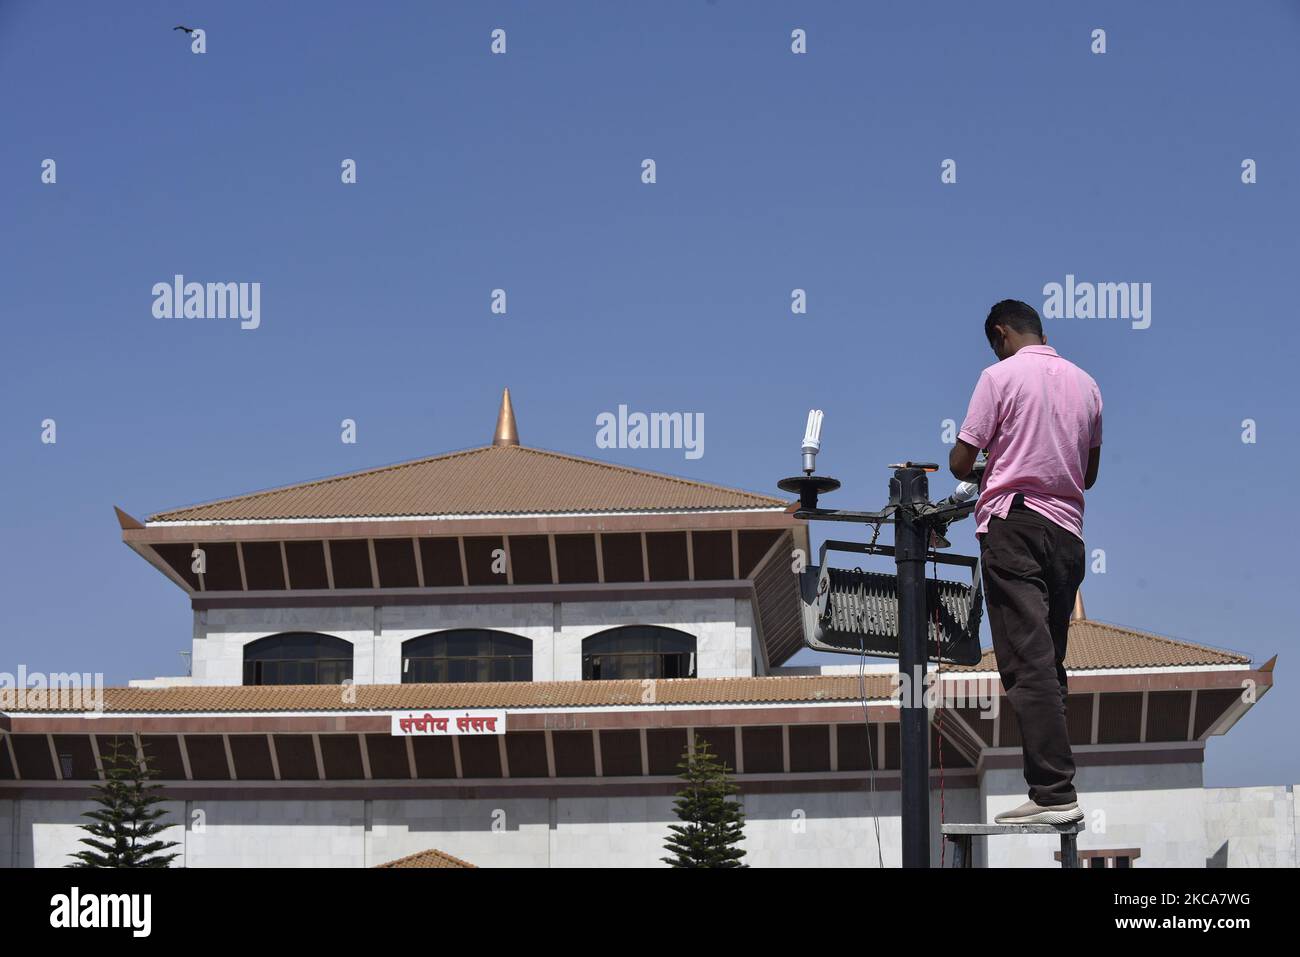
(621,734)
(1101,648)
(434,530)
(1099,645)
(492,480)
(619,693)
(430,858)
(501,479)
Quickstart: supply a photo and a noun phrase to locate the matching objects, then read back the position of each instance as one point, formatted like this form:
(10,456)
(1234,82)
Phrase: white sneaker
(1033,813)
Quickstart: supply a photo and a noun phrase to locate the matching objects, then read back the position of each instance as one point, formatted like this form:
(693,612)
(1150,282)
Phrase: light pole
(850,612)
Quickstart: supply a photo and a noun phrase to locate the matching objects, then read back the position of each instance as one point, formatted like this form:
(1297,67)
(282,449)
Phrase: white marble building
(613,616)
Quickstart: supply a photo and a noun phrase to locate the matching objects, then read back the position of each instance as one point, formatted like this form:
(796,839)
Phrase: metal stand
(960,835)
(914,518)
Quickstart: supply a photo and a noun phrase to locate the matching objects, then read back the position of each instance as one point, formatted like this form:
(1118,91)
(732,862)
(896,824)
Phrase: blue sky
(522,172)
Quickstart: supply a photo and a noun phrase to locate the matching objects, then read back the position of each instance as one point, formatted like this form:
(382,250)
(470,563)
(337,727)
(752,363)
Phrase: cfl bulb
(812,440)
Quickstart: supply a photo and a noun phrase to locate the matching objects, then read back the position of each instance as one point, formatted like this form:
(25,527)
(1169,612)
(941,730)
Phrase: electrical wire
(866,719)
(871,758)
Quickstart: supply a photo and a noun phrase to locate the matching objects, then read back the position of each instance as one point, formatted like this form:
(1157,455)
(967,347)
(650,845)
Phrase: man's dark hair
(1013,314)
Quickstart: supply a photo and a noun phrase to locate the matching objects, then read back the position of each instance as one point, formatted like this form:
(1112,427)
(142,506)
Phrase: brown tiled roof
(493,480)
(489,694)
(1095,645)
(429,858)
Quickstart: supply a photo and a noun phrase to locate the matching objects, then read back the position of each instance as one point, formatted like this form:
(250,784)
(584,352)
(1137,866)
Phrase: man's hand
(962,459)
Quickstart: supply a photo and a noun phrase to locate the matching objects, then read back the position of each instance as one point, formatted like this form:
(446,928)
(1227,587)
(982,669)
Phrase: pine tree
(128,819)
(712,826)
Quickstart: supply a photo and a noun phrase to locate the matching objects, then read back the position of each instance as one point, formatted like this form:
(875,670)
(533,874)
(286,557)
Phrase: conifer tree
(712,826)
(124,828)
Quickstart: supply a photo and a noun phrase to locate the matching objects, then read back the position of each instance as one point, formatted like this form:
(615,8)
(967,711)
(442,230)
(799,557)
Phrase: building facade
(611,617)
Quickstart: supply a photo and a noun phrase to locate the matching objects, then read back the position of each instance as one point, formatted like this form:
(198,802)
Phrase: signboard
(448,722)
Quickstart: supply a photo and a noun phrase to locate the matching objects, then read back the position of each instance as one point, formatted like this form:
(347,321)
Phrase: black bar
(838,515)
(911,545)
(961,850)
(866,548)
(1069,849)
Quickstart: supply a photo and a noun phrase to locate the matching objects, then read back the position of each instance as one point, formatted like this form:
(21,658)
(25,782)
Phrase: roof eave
(528,523)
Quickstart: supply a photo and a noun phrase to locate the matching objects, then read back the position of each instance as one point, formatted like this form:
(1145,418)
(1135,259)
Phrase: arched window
(467,654)
(297,658)
(638,651)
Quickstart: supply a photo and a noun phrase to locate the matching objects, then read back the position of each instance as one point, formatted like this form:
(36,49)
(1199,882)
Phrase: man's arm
(1094,463)
(977,429)
(962,459)
(1094,442)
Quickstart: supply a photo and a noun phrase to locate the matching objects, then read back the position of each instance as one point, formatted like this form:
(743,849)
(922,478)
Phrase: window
(298,658)
(467,654)
(638,651)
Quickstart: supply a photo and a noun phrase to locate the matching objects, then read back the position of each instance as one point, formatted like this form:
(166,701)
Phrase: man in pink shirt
(1039,418)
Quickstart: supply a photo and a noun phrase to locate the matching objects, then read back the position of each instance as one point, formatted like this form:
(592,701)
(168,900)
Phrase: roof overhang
(523,524)
(367,708)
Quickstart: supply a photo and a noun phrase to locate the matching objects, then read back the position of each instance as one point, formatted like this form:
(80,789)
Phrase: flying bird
(186,29)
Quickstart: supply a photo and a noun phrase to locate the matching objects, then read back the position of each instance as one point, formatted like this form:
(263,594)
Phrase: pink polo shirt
(1038,415)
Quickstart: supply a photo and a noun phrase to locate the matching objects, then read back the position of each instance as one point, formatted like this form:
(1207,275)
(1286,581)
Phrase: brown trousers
(1032,570)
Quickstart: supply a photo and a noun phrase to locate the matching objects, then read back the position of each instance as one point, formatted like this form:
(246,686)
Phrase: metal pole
(911,538)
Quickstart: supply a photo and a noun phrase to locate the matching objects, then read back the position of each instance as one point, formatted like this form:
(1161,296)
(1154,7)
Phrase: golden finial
(1078,614)
(506,433)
